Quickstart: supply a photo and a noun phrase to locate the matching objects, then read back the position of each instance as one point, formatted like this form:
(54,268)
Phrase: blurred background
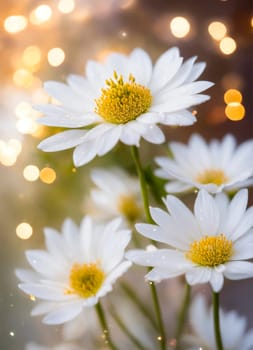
(47,40)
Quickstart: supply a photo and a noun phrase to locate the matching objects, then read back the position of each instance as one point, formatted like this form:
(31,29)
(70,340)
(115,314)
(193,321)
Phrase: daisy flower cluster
(126,99)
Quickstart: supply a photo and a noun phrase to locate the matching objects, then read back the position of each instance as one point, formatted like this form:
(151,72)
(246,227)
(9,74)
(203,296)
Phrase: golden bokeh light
(235,111)
(47,175)
(41,14)
(27,125)
(31,173)
(66,6)
(23,78)
(56,56)
(31,56)
(179,27)
(217,30)
(24,230)
(15,24)
(9,151)
(227,45)
(23,109)
(232,95)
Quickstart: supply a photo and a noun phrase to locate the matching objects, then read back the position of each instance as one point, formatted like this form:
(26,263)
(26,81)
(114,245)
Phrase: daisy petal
(64,140)
(237,270)
(64,314)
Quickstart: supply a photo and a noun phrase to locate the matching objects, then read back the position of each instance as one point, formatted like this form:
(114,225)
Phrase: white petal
(216,281)
(109,140)
(43,307)
(183,73)
(81,86)
(140,65)
(129,135)
(45,292)
(170,259)
(180,118)
(63,140)
(243,247)
(207,213)
(245,224)
(165,68)
(64,94)
(196,71)
(44,263)
(69,121)
(178,103)
(177,187)
(118,272)
(237,270)
(153,134)
(235,213)
(183,218)
(26,275)
(64,314)
(198,275)
(158,274)
(85,152)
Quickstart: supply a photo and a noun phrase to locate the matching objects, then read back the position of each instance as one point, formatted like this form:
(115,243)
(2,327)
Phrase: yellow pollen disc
(214,176)
(85,280)
(210,251)
(122,101)
(129,208)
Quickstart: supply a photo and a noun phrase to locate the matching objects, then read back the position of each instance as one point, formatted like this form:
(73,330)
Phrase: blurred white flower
(78,267)
(117,193)
(35,346)
(122,100)
(218,166)
(206,246)
(233,328)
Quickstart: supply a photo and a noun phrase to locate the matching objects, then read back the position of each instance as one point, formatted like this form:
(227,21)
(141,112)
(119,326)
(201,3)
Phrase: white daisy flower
(78,267)
(35,346)
(233,328)
(122,100)
(218,166)
(117,193)
(206,246)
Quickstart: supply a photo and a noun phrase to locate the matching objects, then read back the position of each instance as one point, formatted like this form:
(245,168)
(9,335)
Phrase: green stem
(182,315)
(130,335)
(216,319)
(103,323)
(144,192)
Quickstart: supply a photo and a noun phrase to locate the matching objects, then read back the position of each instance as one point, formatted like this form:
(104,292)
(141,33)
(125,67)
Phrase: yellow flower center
(85,280)
(210,251)
(129,208)
(214,176)
(122,101)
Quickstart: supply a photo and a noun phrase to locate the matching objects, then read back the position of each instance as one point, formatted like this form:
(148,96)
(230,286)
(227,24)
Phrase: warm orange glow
(235,111)
(227,45)
(232,95)
(31,56)
(41,14)
(31,173)
(217,30)
(24,230)
(23,78)
(15,24)
(66,6)
(47,175)
(9,151)
(179,27)
(55,56)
